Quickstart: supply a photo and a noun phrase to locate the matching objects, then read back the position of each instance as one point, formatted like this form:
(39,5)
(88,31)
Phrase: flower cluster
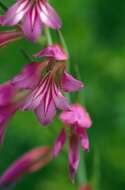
(40,87)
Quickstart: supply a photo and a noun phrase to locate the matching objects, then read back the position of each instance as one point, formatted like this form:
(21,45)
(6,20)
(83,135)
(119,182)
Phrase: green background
(95,34)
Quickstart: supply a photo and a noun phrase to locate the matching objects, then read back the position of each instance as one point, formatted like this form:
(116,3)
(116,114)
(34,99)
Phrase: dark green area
(95,34)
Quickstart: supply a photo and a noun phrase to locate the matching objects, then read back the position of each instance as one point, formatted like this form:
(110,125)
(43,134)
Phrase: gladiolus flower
(78,120)
(28,163)
(33,15)
(46,94)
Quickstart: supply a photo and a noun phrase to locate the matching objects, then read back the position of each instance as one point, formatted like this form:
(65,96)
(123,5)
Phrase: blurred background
(95,34)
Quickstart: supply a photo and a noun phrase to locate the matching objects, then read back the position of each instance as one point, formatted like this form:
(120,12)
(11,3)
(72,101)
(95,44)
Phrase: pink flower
(7,108)
(47,84)
(28,163)
(9,36)
(78,120)
(10,102)
(33,15)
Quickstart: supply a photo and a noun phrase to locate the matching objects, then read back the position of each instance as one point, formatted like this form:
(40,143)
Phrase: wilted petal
(53,51)
(73,154)
(46,117)
(15,13)
(32,25)
(59,143)
(29,76)
(48,16)
(9,36)
(30,162)
(84,138)
(70,84)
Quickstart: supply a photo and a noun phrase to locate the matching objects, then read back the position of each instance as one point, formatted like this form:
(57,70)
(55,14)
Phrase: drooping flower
(28,163)
(78,120)
(7,37)
(46,94)
(33,15)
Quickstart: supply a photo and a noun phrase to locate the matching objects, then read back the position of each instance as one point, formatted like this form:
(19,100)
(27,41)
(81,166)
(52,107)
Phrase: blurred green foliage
(95,34)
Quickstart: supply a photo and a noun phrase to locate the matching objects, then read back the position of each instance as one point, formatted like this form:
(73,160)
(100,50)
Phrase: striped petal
(15,13)
(45,118)
(32,25)
(48,15)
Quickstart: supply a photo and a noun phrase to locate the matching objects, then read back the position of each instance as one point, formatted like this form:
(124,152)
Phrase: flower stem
(48,36)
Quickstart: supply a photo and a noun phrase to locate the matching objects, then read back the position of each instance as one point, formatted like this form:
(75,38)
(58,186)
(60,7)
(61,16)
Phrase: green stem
(48,36)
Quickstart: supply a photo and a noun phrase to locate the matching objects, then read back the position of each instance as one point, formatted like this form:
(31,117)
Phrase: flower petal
(15,13)
(53,51)
(6,112)
(9,36)
(60,101)
(70,84)
(59,143)
(84,138)
(48,16)
(29,162)
(77,115)
(7,92)
(73,154)
(29,76)
(32,25)
(45,118)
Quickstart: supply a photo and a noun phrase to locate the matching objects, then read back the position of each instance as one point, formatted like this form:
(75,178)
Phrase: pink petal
(48,16)
(68,117)
(32,25)
(45,118)
(59,143)
(28,163)
(53,51)
(9,36)
(82,117)
(6,112)
(77,115)
(84,138)
(60,101)
(73,154)
(29,76)
(70,84)
(16,13)
(7,92)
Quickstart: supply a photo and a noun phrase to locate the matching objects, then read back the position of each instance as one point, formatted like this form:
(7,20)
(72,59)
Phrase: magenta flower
(33,15)
(7,108)
(28,163)
(9,36)
(50,80)
(10,102)
(78,120)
